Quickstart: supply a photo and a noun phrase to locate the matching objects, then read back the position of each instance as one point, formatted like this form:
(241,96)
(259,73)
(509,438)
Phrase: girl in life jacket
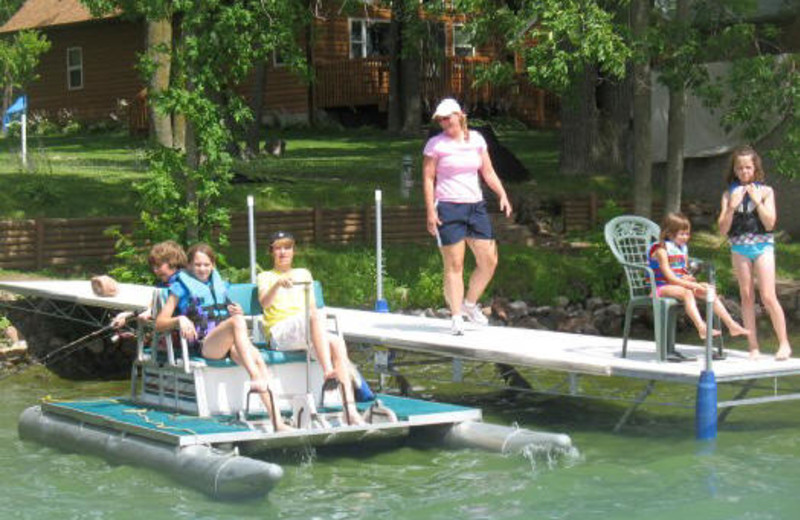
(669,259)
(214,327)
(748,216)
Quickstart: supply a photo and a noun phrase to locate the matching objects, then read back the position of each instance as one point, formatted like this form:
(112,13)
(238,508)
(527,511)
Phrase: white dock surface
(559,351)
(131,297)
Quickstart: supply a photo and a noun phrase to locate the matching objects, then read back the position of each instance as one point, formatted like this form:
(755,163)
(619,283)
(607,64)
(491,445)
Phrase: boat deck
(123,415)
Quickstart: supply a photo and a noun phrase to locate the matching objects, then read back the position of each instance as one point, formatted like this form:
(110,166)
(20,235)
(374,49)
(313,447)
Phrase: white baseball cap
(446,107)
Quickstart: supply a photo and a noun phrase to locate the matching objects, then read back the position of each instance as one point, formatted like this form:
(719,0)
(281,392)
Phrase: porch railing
(365,81)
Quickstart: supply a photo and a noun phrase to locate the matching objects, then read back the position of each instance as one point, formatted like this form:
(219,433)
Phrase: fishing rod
(65,351)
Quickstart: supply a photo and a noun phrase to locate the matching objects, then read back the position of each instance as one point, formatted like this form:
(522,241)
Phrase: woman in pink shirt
(456,212)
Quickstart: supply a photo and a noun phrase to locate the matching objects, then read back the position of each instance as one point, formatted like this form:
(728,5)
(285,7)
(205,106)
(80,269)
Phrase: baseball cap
(280,235)
(446,107)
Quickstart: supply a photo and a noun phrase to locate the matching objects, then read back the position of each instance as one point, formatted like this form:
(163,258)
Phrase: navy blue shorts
(460,221)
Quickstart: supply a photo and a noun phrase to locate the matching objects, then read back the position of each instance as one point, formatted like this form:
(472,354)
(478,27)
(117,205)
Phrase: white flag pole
(25,137)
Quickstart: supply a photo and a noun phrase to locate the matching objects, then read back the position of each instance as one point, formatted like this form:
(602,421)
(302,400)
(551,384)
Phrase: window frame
(473,50)
(72,68)
(365,22)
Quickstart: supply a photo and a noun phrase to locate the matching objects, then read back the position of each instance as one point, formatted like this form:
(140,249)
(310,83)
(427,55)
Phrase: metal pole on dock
(381,305)
(706,406)
(25,138)
(251,232)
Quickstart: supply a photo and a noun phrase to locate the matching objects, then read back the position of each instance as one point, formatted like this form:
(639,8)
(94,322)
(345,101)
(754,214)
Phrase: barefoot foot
(754,354)
(281,426)
(738,330)
(354,417)
(783,353)
(715,333)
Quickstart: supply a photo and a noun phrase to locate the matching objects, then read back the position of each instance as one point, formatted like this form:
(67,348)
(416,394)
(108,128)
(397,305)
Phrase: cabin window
(462,43)
(278,59)
(74,68)
(369,38)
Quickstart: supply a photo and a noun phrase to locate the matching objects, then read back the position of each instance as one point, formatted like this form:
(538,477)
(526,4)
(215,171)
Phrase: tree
(567,47)
(642,119)
(8,8)
(214,48)
(19,58)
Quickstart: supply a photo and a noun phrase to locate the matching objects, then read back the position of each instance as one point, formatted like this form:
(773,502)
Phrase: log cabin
(90,71)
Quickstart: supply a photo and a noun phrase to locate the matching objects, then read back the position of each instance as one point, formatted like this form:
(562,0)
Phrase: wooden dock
(574,355)
(570,354)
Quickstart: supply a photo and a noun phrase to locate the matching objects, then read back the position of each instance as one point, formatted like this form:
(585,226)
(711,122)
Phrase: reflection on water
(652,470)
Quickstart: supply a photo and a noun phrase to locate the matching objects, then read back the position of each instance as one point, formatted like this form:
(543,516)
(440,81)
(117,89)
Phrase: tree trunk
(614,125)
(395,108)
(676,130)
(159,50)
(257,106)
(310,59)
(578,135)
(642,147)
(8,93)
(192,163)
(412,99)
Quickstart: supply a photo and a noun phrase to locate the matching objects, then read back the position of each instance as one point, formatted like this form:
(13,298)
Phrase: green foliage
(130,264)
(19,57)
(37,189)
(4,322)
(217,46)
(556,38)
(8,8)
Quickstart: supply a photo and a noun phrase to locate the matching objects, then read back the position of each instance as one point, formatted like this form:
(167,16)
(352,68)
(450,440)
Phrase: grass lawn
(94,174)
(71,176)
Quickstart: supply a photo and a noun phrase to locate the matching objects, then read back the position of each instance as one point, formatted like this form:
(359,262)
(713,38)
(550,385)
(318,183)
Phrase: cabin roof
(37,14)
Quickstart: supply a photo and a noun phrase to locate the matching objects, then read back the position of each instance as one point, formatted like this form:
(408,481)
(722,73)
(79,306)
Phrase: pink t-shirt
(457,165)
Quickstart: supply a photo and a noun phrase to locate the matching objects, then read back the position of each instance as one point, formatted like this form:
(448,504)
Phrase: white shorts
(289,334)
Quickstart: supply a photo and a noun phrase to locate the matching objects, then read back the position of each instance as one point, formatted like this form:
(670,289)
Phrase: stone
(561,301)
(529,322)
(580,324)
(517,309)
(593,303)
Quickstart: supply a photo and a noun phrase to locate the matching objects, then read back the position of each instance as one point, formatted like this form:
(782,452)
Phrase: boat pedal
(379,413)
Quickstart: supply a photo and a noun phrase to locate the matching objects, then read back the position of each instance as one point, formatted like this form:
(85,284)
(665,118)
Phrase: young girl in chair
(669,259)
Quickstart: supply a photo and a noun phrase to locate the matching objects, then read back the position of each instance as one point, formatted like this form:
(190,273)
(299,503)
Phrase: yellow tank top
(287,302)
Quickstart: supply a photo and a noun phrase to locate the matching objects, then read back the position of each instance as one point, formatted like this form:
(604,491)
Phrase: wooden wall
(42,243)
(50,242)
(110,50)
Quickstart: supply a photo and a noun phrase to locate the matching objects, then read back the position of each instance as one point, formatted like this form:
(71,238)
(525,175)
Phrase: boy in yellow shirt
(284,303)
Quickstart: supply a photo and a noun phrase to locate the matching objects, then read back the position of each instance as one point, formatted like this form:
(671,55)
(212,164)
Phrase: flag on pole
(18,107)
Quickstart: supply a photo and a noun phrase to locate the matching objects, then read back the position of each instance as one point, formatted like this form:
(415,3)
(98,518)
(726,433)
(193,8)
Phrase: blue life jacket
(207,302)
(745,217)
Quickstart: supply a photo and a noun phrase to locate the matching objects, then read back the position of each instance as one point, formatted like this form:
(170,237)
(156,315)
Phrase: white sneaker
(457,326)
(473,312)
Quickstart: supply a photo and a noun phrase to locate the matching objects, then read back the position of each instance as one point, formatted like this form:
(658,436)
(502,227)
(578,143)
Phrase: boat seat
(271,357)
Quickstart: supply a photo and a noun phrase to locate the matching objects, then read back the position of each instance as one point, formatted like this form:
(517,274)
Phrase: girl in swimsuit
(748,217)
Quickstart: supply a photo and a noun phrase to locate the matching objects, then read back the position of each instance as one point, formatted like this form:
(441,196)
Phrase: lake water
(652,470)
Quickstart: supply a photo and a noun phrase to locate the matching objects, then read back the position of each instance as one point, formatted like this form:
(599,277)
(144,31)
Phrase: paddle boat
(196,419)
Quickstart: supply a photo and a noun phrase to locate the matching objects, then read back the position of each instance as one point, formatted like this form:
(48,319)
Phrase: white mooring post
(251,232)
(381,305)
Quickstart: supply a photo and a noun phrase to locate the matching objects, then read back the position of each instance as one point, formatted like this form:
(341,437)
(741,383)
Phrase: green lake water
(653,469)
